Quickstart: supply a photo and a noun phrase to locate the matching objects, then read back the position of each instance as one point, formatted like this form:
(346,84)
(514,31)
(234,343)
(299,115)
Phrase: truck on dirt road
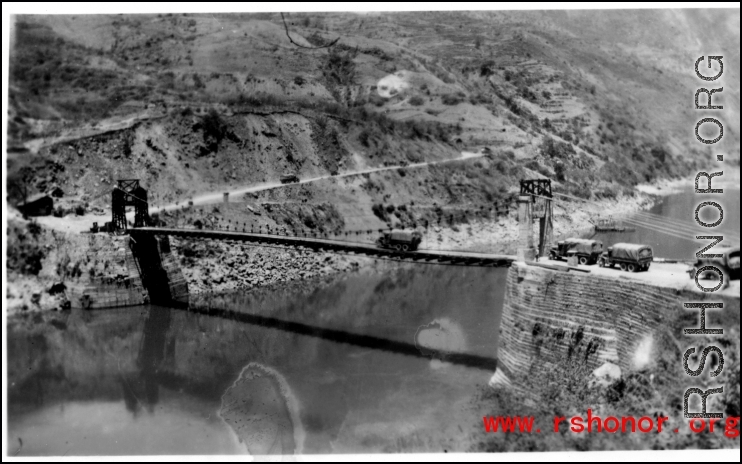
(289,178)
(728,264)
(631,257)
(587,251)
(400,240)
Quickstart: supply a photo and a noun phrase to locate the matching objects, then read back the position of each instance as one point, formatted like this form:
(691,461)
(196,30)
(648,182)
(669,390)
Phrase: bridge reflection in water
(348,348)
(345,337)
(142,389)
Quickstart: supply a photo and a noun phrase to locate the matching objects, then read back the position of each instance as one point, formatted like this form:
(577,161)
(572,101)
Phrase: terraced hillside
(191,103)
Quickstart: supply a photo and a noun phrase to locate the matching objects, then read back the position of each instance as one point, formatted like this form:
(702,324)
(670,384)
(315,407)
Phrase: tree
(559,171)
(487,68)
(20,183)
(214,129)
(340,68)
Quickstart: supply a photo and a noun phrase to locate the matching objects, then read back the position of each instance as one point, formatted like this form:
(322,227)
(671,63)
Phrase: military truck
(587,251)
(400,240)
(631,257)
(289,178)
(728,264)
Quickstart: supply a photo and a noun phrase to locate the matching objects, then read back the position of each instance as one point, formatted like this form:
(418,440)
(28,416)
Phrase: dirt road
(216,197)
(664,274)
(77,224)
(112,124)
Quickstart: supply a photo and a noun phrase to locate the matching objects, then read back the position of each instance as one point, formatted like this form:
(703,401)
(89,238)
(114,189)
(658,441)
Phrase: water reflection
(367,341)
(350,353)
(142,389)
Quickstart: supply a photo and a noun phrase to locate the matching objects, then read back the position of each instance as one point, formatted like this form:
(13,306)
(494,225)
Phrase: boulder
(607,373)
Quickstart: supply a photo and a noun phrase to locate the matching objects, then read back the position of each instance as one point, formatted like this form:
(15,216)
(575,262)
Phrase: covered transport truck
(400,240)
(289,178)
(728,264)
(631,257)
(587,251)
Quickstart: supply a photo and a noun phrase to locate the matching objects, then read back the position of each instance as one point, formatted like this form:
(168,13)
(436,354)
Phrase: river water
(379,360)
(383,360)
(675,239)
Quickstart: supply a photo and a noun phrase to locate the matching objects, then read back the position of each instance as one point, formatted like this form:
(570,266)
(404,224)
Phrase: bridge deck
(319,244)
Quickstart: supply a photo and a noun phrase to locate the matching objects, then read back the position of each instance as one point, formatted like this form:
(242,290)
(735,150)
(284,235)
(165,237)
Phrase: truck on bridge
(631,257)
(587,251)
(400,240)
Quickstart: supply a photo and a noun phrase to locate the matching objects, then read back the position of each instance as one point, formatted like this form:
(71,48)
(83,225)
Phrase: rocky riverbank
(50,270)
(219,266)
(571,218)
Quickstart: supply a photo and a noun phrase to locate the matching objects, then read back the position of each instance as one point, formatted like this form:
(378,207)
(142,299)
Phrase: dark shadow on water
(341,336)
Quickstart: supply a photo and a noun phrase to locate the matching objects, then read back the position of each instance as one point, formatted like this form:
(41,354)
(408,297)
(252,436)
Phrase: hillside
(191,103)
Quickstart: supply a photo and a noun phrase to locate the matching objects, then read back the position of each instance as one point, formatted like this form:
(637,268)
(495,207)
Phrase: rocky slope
(179,103)
(224,266)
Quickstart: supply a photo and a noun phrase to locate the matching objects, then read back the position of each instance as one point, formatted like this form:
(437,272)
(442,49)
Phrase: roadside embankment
(615,318)
(53,270)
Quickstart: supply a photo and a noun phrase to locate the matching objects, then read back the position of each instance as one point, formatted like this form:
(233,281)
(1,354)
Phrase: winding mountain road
(216,197)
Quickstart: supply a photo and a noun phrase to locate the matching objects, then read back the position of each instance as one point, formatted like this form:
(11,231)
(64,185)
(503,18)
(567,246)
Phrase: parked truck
(728,264)
(631,257)
(400,240)
(289,178)
(587,251)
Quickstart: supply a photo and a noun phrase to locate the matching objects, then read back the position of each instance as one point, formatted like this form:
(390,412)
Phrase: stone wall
(104,271)
(551,315)
(119,284)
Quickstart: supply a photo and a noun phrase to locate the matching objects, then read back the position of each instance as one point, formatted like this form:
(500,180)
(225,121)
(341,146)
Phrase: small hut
(37,205)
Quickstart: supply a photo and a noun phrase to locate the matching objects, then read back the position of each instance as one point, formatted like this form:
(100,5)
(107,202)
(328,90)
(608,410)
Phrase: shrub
(480,99)
(364,136)
(538,167)
(339,67)
(33,260)
(453,98)
(417,100)
(487,68)
(34,228)
(299,80)
(379,211)
(215,129)
(559,171)
(187,250)
(551,148)
(197,82)
(376,99)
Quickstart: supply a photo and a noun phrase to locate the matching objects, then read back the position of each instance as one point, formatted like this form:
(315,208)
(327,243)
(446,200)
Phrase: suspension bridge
(336,246)
(129,193)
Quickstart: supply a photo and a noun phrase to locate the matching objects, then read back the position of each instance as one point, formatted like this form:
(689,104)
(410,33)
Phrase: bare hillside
(596,100)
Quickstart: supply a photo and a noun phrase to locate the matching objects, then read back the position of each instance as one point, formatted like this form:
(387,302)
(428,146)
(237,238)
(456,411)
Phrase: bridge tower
(128,192)
(534,202)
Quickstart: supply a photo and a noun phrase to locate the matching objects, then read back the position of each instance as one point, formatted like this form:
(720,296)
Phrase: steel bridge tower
(534,202)
(128,192)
